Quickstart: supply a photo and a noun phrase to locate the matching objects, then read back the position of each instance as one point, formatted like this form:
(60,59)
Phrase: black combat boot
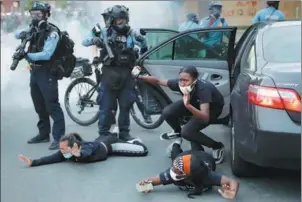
(39,139)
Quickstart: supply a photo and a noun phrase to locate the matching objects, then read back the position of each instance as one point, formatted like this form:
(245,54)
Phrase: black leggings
(116,146)
(191,130)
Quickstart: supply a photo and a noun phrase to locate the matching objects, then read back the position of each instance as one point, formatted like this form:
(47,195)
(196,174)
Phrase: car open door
(155,36)
(210,50)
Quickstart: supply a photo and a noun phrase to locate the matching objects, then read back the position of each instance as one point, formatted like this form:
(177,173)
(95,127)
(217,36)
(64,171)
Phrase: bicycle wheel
(84,101)
(157,102)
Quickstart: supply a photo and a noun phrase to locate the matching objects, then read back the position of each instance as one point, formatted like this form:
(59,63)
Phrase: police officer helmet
(107,17)
(41,6)
(120,18)
(274,4)
(120,12)
(39,13)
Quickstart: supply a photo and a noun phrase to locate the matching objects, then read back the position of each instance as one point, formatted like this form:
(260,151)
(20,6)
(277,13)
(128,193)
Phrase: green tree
(28,5)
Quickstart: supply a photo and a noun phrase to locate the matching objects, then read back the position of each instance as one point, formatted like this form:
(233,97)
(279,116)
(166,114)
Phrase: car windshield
(282,44)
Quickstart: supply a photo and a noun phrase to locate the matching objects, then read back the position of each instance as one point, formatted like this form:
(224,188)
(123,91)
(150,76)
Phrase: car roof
(285,23)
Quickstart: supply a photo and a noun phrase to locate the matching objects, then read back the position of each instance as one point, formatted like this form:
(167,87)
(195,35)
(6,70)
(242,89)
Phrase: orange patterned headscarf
(183,164)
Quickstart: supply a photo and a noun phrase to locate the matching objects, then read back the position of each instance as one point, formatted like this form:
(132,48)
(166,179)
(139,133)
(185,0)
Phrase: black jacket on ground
(90,152)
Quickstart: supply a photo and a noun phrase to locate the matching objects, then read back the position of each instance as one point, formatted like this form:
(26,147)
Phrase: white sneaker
(114,129)
(169,136)
(170,147)
(135,139)
(218,155)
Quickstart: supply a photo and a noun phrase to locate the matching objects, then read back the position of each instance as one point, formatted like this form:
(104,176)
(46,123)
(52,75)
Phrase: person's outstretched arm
(163,178)
(153,80)
(229,186)
(149,79)
(54,158)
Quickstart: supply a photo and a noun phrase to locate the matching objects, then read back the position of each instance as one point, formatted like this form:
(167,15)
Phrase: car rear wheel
(239,167)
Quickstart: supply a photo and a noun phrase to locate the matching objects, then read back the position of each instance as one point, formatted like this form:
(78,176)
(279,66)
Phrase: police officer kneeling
(42,54)
(117,82)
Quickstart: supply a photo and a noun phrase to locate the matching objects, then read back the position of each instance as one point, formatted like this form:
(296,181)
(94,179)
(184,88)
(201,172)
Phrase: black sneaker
(54,145)
(101,138)
(170,147)
(126,138)
(169,136)
(39,139)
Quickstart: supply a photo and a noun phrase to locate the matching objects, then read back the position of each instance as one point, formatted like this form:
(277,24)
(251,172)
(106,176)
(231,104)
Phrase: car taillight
(277,98)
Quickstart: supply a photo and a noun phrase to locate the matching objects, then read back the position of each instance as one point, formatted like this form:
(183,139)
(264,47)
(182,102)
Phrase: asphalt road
(113,180)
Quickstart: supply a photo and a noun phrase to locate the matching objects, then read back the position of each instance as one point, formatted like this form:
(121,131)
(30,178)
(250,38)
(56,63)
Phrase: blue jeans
(45,97)
(107,100)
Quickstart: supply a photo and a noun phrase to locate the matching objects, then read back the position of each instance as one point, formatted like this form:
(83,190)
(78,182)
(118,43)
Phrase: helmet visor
(36,14)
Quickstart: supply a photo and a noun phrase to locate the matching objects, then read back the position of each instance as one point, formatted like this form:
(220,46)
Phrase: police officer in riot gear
(269,13)
(117,82)
(43,83)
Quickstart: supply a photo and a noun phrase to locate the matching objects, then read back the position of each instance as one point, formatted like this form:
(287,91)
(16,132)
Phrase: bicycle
(148,102)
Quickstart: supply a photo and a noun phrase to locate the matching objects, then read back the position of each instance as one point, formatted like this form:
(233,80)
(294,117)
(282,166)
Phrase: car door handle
(216,77)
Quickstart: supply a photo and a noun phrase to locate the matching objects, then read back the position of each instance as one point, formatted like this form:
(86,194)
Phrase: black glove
(143,50)
(23,35)
(98,42)
(96,60)
(19,55)
(96,30)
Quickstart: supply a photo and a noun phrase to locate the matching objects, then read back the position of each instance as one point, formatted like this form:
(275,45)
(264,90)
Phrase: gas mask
(121,26)
(187,89)
(38,18)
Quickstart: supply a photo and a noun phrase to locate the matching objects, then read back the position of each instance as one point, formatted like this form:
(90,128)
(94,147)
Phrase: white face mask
(176,177)
(187,89)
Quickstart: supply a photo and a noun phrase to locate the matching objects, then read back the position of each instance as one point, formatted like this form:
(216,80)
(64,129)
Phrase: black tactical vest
(37,42)
(124,56)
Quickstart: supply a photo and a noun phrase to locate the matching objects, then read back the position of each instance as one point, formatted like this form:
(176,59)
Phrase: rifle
(20,48)
(109,57)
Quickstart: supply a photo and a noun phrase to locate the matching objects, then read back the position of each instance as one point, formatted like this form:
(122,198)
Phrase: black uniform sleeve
(86,149)
(204,96)
(165,177)
(173,84)
(54,158)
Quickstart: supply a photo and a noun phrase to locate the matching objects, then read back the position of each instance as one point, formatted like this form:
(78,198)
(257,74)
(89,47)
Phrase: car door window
(155,37)
(248,61)
(202,45)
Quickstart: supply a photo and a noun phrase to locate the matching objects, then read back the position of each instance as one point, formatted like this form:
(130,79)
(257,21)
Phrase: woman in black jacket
(74,148)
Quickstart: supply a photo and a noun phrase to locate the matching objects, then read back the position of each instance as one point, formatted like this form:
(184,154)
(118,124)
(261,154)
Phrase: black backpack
(65,61)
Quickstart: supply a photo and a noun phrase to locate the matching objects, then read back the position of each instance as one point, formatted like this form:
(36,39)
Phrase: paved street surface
(110,181)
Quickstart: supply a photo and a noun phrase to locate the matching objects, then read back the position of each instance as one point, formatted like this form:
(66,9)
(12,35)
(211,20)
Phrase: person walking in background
(269,13)
(191,23)
(214,20)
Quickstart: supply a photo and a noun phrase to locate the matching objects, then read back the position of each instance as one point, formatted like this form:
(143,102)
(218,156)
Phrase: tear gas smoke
(15,84)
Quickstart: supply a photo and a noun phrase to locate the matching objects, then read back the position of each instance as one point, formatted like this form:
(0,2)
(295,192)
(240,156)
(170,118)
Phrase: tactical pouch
(126,57)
